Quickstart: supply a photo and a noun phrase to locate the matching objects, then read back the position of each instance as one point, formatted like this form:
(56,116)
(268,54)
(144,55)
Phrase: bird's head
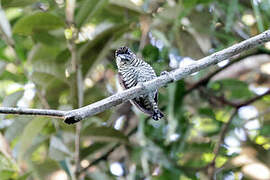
(124,56)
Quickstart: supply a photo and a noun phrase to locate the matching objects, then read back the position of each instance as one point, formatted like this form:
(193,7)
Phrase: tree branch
(76,115)
(203,81)
(36,112)
(92,109)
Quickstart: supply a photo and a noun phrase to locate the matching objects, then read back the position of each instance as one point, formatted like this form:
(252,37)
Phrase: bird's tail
(157,115)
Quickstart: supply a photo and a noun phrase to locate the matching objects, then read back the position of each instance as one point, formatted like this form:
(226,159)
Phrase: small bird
(132,71)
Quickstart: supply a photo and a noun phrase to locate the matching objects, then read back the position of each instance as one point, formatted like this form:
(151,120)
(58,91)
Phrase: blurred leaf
(4,24)
(258,16)
(168,174)
(7,168)
(150,53)
(16,3)
(6,174)
(58,150)
(12,99)
(24,176)
(207,112)
(30,132)
(65,164)
(232,10)
(128,5)
(88,9)
(2,67)
(105,134)
(46,38)
(104,33)
(50,68)
(265,129)
(92,149)
(16,128)
(37,22)
(161,36)
(233,88)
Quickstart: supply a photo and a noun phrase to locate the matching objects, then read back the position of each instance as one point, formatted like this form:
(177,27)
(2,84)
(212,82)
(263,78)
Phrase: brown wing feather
(138,102)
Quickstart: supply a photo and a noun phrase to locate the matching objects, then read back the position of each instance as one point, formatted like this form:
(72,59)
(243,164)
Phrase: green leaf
(16,3)
(31,130)
(50,68)
(150,53)
(233,88)
(16,128)
(24,176)
(5,26)
(66,166)
(46,38)
(232,10)
(6,175)
(58,150)
(258,16)
(88,9)
(161,36)
(92,149)
(127,5)
(38,22)
(12,99)
(105,134)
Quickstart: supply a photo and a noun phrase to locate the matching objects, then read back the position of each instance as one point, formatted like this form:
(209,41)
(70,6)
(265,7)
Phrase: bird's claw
(169,75)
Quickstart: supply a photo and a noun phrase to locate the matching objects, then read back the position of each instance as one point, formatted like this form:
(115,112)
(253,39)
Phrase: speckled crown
(122,50)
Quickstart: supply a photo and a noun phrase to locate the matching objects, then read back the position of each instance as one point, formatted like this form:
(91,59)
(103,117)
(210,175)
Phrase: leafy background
(42,54)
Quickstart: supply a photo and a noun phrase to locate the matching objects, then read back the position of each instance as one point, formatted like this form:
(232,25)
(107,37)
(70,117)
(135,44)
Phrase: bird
(134,71)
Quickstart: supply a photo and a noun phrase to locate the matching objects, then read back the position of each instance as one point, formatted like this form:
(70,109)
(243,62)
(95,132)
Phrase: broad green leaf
(88,9)
(6,174)
(233,88)
(66,165)
(16,3)
(31,130)
(37,22)
(105,134)
(48,39)
(128,5)
(205,111)
(58,150)
(92,149)
(50,68)
(150,53)
(16,128)
(12,99)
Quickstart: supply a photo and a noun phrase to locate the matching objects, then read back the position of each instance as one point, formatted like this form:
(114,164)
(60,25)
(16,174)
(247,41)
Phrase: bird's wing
(139,102)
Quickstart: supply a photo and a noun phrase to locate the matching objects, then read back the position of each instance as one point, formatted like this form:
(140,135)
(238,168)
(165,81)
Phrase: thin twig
(106,155)
(233,60)
(76,115)
(211,166)
(224,101)
(224,130)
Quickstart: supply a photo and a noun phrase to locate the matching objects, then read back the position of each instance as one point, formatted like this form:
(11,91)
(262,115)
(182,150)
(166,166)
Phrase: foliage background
(50,58)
